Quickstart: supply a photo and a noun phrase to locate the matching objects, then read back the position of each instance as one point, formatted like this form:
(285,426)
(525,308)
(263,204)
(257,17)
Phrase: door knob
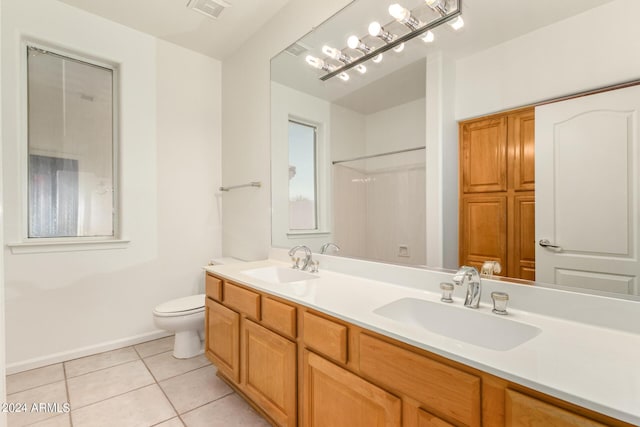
(547,244)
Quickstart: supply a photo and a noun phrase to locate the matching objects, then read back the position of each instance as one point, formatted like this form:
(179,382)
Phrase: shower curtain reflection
(380,208)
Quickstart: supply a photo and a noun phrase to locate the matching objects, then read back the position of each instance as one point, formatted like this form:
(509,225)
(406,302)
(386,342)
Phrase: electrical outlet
(403,251)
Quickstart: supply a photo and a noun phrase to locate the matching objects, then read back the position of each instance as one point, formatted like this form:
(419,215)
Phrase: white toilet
(184,316)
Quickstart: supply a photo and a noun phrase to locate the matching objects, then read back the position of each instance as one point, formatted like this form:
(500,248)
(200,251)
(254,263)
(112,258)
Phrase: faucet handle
(447,291)
(296,262)
(500,300)
(314,266)
(489,268)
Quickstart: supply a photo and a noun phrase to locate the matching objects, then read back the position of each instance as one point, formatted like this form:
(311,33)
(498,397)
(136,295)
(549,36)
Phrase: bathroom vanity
(332,349)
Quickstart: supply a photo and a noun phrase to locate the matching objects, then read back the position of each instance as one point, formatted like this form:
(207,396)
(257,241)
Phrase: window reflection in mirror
(302,176)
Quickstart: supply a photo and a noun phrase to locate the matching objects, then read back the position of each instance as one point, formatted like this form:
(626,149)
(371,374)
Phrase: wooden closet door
(522,241)
(522,150)
(483,155)
(483,230)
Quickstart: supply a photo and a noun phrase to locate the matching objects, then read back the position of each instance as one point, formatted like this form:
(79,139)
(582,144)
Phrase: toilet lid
(181,304)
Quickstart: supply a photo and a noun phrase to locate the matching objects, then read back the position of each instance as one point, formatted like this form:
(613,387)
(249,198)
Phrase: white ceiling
(171,20)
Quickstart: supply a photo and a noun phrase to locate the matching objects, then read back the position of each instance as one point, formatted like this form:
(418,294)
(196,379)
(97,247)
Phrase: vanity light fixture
(335,54)
(437,5)
(428,37)
(440,6)
(355,43)
(403,16)
(377,30)
(447,11)
(319,64)
(457,23)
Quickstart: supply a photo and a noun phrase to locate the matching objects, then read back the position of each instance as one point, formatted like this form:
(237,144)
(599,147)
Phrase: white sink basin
(278,274)
(463,324)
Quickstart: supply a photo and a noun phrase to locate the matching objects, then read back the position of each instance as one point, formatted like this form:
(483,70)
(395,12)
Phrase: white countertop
(589,365)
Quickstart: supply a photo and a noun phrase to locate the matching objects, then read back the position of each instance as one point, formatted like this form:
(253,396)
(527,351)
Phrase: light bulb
(377,59)
(428,37)
(331,52)
(437,5)
(353,42)
(434,3)
(375,28)
(343,76)
(457,23)
(399,48)
(361,68)
(315,62)
(398,12)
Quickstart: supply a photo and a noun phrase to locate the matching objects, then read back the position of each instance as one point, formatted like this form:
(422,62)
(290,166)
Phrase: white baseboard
(39,362)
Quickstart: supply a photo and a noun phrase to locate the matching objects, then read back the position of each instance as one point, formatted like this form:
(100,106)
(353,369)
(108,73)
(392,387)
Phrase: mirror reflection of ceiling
(487,23)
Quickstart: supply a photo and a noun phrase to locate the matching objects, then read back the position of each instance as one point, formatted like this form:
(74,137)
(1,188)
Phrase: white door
(587,164)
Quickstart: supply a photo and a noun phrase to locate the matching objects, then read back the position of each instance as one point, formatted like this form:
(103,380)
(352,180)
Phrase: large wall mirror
(372,163)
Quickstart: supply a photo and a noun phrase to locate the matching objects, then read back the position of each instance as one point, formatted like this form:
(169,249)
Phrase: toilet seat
(181,306)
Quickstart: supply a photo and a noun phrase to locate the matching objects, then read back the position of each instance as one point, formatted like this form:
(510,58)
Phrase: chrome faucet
(472,300)
(307,256)
(323,248)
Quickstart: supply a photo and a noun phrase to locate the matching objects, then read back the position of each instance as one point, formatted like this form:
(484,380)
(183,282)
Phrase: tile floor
(143,385)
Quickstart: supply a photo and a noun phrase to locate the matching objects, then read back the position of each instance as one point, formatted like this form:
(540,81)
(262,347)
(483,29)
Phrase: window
(71,145)
(302,177)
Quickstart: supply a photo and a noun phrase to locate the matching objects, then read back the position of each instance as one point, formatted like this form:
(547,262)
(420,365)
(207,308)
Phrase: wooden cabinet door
(269,372)
(425,419)
(483,155)
(222,339)
(525,411)
(522,150)
(483,230)
(334,397)
(522,240)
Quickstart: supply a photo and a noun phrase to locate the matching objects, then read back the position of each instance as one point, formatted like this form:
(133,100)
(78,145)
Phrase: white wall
(594,49)
(3,389)
(245,114)
(396,128)
(67,304)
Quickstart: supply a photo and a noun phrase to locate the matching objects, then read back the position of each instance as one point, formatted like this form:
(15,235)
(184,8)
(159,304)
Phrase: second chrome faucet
(307,256)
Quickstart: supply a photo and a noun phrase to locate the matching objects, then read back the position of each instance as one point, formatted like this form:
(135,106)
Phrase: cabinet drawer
(242,300)
(446,391)
(213,287)
(325,336)
(279,316)
(523,410)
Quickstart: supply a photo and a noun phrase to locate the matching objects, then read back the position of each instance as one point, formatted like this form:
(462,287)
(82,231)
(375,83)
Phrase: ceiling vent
(210,8)
(296,49)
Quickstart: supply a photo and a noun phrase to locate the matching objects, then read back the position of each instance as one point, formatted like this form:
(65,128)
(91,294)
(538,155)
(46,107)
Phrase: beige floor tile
(150,348)
(228,411)
(194,389)
(140,408)
(99,361)
(173,422)
(50,393)
(164,365)
(57,421)
(34,378)
(99,385)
